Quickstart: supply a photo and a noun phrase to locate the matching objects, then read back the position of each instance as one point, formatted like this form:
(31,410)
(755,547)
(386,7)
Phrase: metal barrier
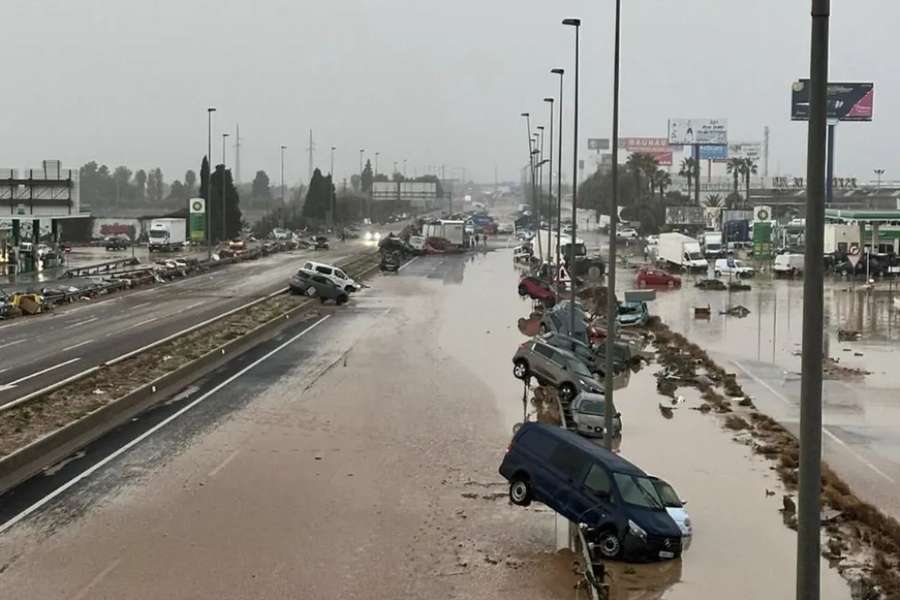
(104,267)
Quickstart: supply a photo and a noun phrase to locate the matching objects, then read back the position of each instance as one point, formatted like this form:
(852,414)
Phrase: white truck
(167,235)
(712,244)
(680,251)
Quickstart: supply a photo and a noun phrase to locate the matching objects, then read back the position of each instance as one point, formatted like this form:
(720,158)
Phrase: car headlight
(637,530)
(687,524)
(377,236)
(368,236)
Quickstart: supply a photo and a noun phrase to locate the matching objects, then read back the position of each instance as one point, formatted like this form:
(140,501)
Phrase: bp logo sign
(197,205)
(762,214)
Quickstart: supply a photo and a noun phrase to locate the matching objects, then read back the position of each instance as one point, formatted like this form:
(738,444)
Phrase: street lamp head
(284,147)
(557,71)
(572,22)
(211,109)
(226,135)
(550,100)
(525,114)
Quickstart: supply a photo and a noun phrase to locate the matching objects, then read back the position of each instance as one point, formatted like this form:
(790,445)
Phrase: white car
(335,274)
(788,265)
(627,233)
(732,266)
(675,507)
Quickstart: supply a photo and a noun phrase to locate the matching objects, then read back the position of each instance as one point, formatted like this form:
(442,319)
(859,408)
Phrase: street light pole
(331,169)
(377,154)
(550,187)
(576,23)
(559,72)
(612,306)
(224,218)
(206,224)
(809,501)
(540,186)
(361,151)
(283,148)
(878,174)
(531,152)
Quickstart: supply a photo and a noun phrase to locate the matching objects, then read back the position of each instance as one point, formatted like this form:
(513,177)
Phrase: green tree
(204,178)
(660,181)
(733,166)
(319,197)
(178,193)
(190,180)
(713,200)
(748,168)
(155,185)
(260,189)
(366,178)
(689,170)
(233,216)
(140,183)
(122,178)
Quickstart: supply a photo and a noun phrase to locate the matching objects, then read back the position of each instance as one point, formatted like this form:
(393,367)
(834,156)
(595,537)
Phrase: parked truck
(680,251)
(712,244)
(167,235)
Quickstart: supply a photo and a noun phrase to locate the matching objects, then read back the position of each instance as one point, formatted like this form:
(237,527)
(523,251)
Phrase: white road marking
(97,579)
(142,304)
(223,464)
(144,322)
(13,384)
(830,435)
(66,349)
(91,470)
(195,305)
(80,323)
(11,344)
(409,262)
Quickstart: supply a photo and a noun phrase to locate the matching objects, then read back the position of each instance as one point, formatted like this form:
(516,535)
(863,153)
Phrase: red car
(537,289)
(650,277)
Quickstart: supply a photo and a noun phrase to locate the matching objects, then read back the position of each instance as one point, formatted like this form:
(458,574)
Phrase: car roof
(562,351)
(318,264)
(612,461)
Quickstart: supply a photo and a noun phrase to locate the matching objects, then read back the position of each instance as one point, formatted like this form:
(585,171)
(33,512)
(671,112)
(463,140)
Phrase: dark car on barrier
(315,285)
(615,501)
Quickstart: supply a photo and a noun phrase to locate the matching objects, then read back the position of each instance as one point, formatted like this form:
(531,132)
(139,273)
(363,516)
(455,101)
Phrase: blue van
(616,501)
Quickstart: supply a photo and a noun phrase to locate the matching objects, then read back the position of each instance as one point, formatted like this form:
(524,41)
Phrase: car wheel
(718,273)
(523,291)
(642,283)
(608,544)
(342,299)
(311,291)
(670,284)
(349,289)
(566,392)
(520,369)
(520,491)
(594,272)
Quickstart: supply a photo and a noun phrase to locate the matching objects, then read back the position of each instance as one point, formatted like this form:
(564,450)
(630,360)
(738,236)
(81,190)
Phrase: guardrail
(31,459)
(104,267)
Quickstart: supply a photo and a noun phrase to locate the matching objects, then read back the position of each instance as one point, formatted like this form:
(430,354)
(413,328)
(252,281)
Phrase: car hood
(657,523)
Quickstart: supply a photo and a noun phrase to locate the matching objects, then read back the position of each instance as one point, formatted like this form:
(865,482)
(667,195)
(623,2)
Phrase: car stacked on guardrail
(623,512)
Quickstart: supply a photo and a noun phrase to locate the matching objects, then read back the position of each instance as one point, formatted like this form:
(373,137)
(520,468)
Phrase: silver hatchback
(554,367)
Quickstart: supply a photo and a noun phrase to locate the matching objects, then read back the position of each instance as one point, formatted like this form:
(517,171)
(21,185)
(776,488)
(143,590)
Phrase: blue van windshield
(638,491)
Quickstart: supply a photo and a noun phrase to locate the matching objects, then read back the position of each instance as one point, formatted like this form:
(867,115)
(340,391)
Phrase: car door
(568,465)
(592,500)
(542,362)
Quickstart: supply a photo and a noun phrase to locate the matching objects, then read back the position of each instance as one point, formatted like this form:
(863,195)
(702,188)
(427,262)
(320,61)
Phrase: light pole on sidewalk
(559,72)
(224,218)
(550,187)
(809,501)
(576,23)
(206,224)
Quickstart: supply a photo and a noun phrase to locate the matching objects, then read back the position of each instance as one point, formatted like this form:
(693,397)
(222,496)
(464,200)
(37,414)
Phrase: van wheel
(608,544)
(642,283)
(566,392)
(520,491)
(520,369)
(341,300)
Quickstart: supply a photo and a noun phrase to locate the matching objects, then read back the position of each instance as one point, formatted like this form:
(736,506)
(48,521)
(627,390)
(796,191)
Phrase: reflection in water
(641,581)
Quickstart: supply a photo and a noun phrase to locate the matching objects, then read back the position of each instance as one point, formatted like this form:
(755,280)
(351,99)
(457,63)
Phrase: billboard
(658,148)
(751,150)
(713,152)
(698,131)
(197,221)
(846,101)
(685,215)
(598,144)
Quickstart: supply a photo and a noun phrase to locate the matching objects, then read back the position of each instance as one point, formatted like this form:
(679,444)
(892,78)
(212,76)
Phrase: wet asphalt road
(38,351)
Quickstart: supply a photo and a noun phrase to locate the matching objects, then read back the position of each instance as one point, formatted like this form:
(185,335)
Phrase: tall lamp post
(361,152)
(283,148)
(576,23)
(809,501)
(209,112)
(377,154)
(331,168)
(540,183)
(531,152)
(878,174)
(559,72)
(224,218)
(550,186)
(612,308)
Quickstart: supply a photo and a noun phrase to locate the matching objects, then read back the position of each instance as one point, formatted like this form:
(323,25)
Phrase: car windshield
(593,407)
(638,491)
(667,494)
(157,234)
(578,367)
(629,309)
(694,256)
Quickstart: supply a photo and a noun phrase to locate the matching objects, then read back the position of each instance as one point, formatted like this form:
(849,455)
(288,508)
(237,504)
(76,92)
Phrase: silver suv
(554,367)
(588,412)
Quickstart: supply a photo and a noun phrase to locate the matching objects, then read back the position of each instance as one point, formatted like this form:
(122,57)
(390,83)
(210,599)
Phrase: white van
(732,266)
(788,265)
(335,274)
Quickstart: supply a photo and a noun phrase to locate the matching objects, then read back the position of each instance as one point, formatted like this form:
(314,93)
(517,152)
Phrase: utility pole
(206,224)
(224,222)
(237,154)
(766,151)
(809,501)
(310,150)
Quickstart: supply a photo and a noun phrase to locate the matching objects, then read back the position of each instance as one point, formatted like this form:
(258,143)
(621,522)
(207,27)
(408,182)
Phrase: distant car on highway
(335,274)
(554,367)
(116,243)
(627,233)
(650,277)
(317,286)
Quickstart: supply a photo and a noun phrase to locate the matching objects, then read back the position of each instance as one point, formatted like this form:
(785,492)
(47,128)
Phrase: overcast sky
(128,82)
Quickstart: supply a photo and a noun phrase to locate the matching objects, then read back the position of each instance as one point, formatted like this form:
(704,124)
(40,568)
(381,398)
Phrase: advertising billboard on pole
(197,221)
(708,132)
(713,152)
(656,147)
(598,144)
(845,101)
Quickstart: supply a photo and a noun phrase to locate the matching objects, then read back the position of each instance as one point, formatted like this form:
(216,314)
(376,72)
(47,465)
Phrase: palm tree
(713,200)
(649,165)
(734,168)
(635,167)
(689,170)
(661,180)
(748,168)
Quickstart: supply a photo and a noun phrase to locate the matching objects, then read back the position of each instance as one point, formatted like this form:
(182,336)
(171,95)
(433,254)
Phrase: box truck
(680,251)
(167,235)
